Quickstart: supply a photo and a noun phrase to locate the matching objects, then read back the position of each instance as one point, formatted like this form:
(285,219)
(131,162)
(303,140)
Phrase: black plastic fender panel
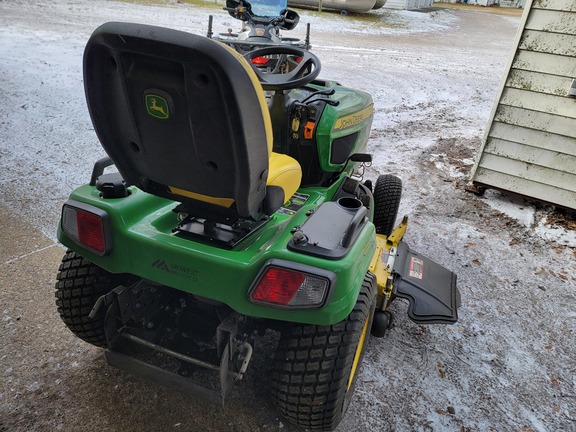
(331,230)
(430,288)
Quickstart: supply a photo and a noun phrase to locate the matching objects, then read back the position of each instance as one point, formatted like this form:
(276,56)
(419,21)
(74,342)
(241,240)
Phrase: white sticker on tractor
(416,268)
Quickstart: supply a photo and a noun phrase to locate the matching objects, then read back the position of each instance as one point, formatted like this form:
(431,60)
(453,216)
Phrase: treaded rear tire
(79,284)
(313,365)
(387,195)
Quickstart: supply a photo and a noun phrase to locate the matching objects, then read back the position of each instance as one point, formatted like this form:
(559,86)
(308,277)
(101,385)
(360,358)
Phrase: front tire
(79,284)
(387,194)
(316,367)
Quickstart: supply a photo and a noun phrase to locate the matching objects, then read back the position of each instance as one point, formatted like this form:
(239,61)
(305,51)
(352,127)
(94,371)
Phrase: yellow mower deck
(383,261)
(430,288)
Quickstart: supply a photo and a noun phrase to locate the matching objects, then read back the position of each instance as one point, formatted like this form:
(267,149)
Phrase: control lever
(328,101)
(328,92)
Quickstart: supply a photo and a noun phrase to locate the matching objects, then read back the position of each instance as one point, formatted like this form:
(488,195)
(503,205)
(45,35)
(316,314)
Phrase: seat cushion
(285,172)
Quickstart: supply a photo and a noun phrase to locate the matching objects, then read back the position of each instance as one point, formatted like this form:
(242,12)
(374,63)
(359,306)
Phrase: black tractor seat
(185,118)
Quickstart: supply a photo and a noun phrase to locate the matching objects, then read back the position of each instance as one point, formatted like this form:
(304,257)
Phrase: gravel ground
(507,365)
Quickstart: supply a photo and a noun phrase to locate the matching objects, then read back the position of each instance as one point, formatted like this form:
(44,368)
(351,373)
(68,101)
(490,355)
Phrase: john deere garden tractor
(236,206)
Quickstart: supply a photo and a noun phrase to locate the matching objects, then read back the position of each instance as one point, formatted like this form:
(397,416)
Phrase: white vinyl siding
(530,145)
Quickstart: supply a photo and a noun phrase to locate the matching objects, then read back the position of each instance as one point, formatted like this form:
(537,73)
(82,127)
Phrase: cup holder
(349,203)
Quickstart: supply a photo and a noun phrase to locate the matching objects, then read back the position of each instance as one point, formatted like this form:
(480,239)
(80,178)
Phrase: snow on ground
(509,363)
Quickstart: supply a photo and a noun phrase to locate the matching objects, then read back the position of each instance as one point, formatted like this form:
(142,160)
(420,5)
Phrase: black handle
(99,167)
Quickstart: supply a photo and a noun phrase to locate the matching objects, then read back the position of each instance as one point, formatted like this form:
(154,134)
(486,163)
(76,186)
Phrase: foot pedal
(430,288)
(350,185)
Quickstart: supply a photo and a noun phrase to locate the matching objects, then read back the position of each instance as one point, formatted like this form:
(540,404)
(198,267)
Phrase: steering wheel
(304,72)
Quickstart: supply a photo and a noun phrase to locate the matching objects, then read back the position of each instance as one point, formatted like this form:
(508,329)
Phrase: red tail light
(260,61)
(88,226)
(91,231)
(301,286)
(278,286)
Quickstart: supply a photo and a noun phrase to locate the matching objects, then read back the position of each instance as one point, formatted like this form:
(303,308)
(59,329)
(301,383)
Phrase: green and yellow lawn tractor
(238,206)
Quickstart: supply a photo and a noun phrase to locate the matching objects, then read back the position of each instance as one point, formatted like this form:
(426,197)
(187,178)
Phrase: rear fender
(146,246)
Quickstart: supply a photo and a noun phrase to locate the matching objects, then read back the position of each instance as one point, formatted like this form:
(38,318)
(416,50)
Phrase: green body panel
(144,245)
(353,114)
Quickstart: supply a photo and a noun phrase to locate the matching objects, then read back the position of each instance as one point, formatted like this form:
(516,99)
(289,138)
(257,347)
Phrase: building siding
(471,2)
(407,4)
(530,144)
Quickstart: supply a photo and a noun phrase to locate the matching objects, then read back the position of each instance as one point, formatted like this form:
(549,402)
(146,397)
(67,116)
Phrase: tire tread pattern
(313,364)
(387,195)
(79,284)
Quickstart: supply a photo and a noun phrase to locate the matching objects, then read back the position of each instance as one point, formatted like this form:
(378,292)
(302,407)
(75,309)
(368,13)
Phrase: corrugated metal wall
(530,146)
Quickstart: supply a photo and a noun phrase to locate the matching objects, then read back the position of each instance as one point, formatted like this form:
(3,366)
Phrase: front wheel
(316,367)
(79,284)
(387,194)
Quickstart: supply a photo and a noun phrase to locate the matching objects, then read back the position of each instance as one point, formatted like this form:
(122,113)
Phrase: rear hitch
(159,350)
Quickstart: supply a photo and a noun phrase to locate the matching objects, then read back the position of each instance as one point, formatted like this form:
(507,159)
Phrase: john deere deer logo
(157,106)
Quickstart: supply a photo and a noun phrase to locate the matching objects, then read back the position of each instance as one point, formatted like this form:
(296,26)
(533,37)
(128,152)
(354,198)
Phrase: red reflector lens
(260,60)
(91,231)
(278,286)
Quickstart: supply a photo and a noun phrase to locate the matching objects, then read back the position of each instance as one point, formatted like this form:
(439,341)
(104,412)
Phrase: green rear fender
(144,245)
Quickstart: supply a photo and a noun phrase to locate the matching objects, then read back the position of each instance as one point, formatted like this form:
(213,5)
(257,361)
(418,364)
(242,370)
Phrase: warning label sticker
(416,268)
(295,203)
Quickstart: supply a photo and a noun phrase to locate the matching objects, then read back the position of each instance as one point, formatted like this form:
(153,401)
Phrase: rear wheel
(316,367)
(79,284)
(387,194)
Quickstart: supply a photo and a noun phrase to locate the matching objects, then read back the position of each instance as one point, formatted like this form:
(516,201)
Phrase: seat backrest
(182,117)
